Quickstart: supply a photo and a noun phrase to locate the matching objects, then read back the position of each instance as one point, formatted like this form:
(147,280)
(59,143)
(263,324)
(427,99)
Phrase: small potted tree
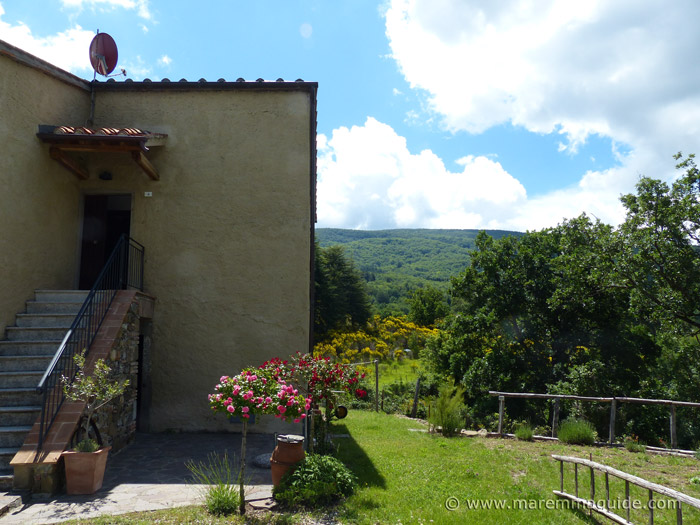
(85,464)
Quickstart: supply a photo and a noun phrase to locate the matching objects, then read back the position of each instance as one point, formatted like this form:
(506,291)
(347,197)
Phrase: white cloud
(621,70)
(306,30)
(369,179)
(67,49)
(140,6)
(137,68)
(165,60)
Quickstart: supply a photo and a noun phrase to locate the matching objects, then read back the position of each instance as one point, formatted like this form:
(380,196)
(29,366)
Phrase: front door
(105,219)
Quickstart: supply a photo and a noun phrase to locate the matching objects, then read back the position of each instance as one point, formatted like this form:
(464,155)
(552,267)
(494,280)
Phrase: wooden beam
(68,163)
(145,164)
(101,148)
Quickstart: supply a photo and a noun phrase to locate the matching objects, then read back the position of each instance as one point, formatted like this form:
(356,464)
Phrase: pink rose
(281,409)
(297,420)
(245,410)
(230,408)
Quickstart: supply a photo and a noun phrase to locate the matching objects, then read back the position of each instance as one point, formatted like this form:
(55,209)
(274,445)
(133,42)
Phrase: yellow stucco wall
(39,200)
(226,231)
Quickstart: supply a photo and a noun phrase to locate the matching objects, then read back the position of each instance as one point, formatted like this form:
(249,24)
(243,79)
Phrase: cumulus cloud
(140,6)
(67,49)
(621,70)
(369,179)
(165,60)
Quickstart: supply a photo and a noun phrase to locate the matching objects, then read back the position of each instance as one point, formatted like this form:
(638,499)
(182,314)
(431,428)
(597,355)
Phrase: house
(215,179)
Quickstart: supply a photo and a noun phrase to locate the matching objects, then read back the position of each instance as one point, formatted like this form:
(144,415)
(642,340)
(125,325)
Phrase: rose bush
(257,391)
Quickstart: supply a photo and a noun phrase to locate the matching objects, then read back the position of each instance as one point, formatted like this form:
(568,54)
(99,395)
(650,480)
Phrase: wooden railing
(607,509)
(613,409)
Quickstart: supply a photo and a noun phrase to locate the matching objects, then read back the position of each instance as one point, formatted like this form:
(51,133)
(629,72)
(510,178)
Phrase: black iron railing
(123,271)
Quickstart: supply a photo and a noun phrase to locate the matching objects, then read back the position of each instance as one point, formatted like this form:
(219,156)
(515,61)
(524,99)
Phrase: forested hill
(395,262)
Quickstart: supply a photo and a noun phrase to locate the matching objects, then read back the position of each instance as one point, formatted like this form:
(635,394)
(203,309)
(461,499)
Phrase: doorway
(105,219)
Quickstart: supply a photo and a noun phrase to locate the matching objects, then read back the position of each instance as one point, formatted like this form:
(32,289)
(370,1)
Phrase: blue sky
(432,113)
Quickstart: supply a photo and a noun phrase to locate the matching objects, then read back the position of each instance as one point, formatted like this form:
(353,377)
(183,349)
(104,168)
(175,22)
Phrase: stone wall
(117,420)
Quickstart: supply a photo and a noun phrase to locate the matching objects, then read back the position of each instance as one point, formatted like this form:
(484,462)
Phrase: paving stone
(150,474)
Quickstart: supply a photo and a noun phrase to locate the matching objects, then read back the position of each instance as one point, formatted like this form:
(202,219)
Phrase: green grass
(405,371)
(407,477)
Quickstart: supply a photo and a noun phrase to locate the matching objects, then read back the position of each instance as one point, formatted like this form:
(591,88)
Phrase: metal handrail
(123,270)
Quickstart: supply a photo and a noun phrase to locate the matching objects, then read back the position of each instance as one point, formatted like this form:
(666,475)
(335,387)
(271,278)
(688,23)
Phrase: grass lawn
(408,476)
(394,371)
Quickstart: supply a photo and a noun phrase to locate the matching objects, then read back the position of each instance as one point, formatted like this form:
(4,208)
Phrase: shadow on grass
(354,456)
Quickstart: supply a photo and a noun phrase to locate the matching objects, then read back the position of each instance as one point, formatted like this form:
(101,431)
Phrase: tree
(656,254)
(341,294)
(427,306)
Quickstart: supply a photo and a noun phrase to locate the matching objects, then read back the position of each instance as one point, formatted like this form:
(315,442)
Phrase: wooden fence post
(555,418)
(376,385)
(613,410)
(674,438)
(501,407)
(414,410)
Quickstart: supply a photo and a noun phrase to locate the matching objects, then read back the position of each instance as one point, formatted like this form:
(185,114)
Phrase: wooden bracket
(145,164)
(58,155)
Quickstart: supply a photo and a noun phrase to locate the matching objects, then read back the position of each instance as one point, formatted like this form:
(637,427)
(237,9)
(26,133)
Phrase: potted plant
(85,464)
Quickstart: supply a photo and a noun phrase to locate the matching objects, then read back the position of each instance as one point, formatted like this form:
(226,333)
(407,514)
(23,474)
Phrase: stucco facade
(228,228)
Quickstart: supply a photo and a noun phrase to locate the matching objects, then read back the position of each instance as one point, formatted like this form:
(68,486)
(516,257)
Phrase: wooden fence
(613,409)
(606,508)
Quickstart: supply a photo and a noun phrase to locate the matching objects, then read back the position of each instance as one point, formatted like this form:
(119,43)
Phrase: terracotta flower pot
(85,470)
(288,452)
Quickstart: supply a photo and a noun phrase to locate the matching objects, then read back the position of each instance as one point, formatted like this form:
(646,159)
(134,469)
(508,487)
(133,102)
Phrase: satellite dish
(103,54)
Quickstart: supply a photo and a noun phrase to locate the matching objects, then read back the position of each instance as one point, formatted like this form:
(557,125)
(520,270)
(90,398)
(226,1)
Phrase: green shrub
(576,432)
(524,432)
(87,445)
(316,481)
(632,444)
(449,410)
(695,480)
(221,495)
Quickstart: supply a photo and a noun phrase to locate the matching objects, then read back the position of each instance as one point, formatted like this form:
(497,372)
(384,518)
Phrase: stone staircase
(25,353)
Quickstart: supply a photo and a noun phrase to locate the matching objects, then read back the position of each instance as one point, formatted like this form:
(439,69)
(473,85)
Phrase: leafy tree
(340,292)
(655,253)
(537,313)
(428,305)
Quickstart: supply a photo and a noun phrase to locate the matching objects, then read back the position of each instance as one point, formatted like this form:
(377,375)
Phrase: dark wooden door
(105,219)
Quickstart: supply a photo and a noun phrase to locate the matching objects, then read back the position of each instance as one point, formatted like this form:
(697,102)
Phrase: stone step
(36,348)
(19,396)
(11,437)
(35,333)
(20,378)
(6,455)
(58,307)
(45,320)
(6,479)
(20,363)
(57,296)
(19,415)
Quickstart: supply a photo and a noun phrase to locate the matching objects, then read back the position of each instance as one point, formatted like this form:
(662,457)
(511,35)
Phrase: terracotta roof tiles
(109,132)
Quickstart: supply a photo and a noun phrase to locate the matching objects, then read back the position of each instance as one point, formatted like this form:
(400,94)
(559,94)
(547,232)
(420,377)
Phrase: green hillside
(395,262)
